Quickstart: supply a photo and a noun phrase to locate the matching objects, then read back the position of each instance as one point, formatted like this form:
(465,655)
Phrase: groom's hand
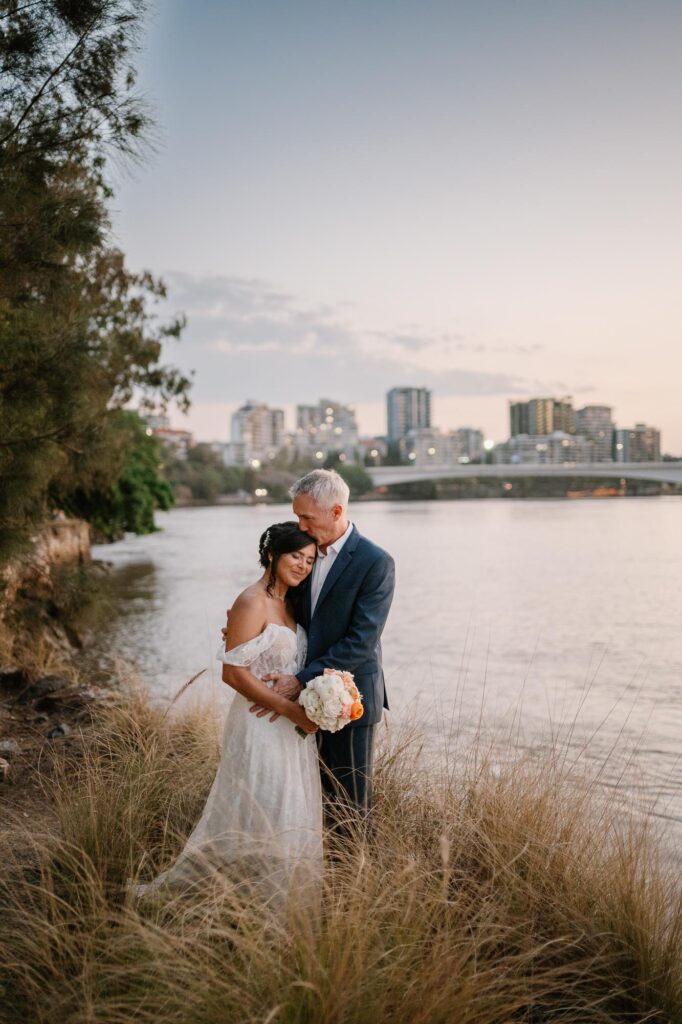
(285,686)
(224,629)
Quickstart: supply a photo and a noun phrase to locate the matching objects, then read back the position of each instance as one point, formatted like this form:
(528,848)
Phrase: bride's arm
(246,621)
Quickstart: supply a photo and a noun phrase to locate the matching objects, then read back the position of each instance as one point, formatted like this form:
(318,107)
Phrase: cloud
(246,339)
(418,340)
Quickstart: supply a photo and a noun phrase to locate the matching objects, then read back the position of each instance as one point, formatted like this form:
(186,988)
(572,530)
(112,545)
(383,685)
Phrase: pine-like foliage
(78,332)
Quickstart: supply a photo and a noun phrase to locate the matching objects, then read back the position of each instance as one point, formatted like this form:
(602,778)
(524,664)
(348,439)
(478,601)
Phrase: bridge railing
(662,472)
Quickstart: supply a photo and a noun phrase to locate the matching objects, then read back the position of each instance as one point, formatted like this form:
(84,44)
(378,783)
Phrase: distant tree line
(79,337)
(203,477)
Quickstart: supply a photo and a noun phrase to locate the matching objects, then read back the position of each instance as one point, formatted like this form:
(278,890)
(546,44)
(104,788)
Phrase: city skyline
(541,430)
(581,420)
(486,206)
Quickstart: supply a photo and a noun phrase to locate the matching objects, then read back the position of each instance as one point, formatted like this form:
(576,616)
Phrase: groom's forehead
(305,504)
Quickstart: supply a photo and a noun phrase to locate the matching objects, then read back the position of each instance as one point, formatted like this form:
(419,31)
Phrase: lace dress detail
(263,815)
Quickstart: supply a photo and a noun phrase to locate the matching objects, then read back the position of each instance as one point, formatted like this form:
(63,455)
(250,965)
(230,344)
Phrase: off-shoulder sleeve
(245,654)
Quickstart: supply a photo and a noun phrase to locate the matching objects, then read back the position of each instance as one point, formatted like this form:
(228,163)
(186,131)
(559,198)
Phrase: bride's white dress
(263,816)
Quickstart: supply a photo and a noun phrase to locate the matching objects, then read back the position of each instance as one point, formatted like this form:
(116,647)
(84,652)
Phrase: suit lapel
(341,562)
(308,603)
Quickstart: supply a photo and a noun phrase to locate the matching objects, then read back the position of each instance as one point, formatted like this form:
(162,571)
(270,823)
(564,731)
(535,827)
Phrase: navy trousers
(346,768)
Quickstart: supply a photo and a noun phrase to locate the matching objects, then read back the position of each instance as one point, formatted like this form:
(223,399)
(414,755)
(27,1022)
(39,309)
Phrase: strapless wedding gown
(263,817)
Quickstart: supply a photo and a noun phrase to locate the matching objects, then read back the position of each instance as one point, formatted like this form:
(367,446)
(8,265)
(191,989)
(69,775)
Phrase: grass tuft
(485,894)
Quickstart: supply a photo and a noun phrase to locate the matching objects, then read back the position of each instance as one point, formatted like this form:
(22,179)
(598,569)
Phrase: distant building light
(507,486)
(255,463)
(342,457)
(619,446)
(319,455)
(374,453)
(261,492)
(329,411)
(463,459)
(149,431)
(488,445)
(430,451)
(338,430)
(412,456)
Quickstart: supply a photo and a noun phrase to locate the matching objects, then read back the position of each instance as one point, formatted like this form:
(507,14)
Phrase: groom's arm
(370,612)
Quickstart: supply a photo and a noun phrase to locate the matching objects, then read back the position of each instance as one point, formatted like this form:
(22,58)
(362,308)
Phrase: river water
(541,622)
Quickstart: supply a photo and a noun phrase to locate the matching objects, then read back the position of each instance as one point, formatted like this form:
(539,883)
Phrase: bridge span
(661,472)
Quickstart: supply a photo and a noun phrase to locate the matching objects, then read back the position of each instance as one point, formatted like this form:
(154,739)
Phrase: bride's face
(293,567)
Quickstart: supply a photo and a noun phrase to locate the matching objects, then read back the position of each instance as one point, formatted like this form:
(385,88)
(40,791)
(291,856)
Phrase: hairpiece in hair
(266,543)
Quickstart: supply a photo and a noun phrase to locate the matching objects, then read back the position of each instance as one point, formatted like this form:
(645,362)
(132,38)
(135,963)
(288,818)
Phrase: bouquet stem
(301,732)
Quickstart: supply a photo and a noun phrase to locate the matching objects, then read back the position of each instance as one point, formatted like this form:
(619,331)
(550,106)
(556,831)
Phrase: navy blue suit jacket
(345,630)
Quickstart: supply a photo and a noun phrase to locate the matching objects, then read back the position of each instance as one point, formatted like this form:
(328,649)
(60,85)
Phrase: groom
(343,606)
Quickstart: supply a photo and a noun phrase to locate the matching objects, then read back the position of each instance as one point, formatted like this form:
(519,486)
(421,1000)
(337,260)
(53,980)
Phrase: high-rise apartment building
(540,449)
(595,423)
(407,409)
(563,418)
(469,444)
(518,419)
(257,432)
(541,416)
(638,444)
(326,427)
(429,446)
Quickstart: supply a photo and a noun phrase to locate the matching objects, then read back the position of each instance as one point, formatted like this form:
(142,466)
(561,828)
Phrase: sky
(477,196)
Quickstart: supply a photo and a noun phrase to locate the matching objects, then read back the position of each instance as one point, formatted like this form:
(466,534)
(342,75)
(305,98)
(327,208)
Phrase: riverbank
(484,894)
(54,597)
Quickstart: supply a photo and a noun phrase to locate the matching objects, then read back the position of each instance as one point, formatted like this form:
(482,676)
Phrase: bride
(263,817)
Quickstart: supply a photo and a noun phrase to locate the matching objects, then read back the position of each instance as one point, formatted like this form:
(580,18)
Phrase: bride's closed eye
(308,560)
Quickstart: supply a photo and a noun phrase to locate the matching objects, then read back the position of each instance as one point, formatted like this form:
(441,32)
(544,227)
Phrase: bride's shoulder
(248,611)
(253,597)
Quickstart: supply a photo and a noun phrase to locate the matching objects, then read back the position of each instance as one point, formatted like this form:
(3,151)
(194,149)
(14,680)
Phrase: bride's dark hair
(280,539)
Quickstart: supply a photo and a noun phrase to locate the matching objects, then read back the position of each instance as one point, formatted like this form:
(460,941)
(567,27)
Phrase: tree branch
(18,10)
(48,436)
(53,74)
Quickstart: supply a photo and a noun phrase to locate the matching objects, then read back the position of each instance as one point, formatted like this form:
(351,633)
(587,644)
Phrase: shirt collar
(338,543)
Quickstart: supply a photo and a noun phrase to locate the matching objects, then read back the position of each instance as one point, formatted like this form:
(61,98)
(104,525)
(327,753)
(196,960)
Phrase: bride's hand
(298,716)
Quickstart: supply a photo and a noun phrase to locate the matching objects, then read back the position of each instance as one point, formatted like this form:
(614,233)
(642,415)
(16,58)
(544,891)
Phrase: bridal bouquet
(331,700)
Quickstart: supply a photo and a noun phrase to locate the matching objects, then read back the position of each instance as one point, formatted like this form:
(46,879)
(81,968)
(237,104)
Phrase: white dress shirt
(323,564)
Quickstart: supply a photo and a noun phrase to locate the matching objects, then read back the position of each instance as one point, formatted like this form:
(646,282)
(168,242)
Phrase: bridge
(660,472)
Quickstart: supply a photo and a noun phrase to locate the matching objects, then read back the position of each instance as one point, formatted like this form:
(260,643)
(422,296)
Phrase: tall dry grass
(484,895)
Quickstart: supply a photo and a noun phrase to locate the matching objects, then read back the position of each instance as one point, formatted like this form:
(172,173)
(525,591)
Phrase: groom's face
(320,523)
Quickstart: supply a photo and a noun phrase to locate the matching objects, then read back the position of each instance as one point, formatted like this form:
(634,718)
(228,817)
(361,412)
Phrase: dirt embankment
(45,695)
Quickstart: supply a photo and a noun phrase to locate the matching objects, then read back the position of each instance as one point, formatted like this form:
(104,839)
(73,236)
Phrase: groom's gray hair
(324,486)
